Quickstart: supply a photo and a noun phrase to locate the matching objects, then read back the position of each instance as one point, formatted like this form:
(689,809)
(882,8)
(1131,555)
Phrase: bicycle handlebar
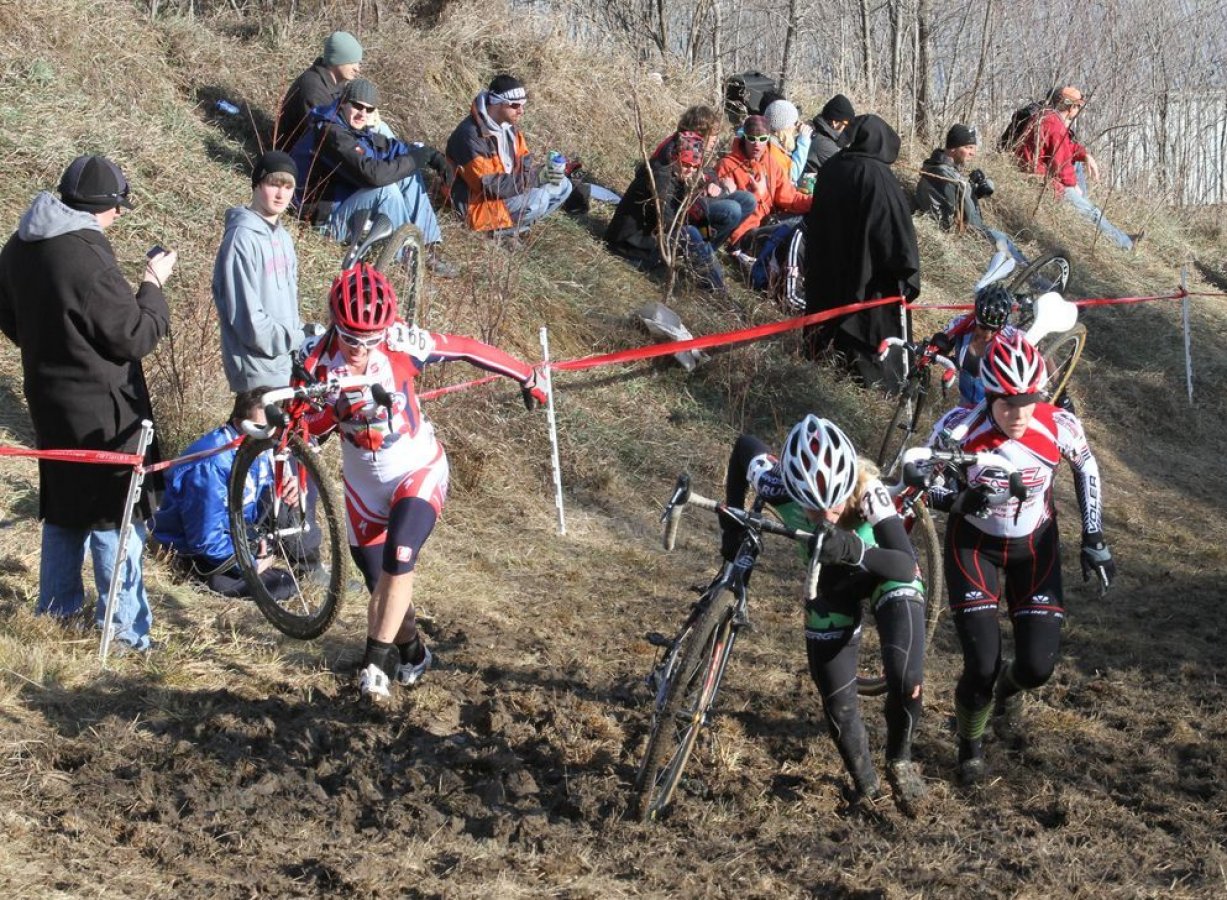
(277,417)
(925,353)
(918,466)
(683,496)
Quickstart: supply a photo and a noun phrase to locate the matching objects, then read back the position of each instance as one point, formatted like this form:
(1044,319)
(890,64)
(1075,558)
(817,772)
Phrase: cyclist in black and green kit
(865,554)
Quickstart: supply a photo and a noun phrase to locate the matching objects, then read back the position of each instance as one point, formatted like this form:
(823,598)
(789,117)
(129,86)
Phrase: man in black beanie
(82,334)
(255,281)
(321,84)
(829,132)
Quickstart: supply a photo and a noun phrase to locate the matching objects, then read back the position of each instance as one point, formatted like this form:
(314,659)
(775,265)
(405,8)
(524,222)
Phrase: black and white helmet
(818,464)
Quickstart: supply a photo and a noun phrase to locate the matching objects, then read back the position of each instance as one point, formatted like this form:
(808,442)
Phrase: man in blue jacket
(193,520)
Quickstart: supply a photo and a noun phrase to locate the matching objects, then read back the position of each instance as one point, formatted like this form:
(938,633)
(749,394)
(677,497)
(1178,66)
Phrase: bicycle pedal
(656,639)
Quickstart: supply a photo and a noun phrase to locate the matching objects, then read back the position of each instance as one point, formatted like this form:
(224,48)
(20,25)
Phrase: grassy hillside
(233,763)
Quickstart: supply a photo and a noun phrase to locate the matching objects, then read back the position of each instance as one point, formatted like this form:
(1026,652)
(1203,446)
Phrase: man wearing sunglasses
(1047,147)
(497,185)
(82,332)
(346,164)
(752,168)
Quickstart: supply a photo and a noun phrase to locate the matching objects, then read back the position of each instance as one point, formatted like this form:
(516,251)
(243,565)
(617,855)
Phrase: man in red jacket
(1048,148)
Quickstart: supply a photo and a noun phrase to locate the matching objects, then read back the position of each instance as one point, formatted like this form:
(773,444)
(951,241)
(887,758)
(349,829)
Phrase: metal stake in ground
(1188,336)
(549,413)
(125,529)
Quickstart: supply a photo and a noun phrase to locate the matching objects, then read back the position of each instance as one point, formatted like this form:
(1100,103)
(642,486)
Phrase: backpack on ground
(743,94)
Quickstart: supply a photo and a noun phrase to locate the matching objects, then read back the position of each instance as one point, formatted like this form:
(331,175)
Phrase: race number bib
(877,504)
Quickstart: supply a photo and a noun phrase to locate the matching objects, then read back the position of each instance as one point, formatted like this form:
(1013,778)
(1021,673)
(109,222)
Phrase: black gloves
(1097,559)
(972,502)
(839,547)
(428,157)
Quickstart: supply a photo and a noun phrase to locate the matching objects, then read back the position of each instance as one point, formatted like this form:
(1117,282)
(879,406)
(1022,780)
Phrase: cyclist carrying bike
(996,544)
(966,338)
(395,471)
(865,553)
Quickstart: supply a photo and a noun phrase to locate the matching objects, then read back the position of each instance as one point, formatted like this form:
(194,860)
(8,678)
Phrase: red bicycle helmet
(362,300)
(1012,367)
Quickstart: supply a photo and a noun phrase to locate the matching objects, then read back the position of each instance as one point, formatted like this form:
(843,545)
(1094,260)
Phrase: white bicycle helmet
(818,464)
(1012,366)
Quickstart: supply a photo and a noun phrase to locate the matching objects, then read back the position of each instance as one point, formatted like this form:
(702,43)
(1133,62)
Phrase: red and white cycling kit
(386,457)
(1052,434)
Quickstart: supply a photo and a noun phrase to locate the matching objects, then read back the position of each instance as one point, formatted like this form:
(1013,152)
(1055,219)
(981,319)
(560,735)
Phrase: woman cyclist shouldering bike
(865,552)
(394,470)
(997,544)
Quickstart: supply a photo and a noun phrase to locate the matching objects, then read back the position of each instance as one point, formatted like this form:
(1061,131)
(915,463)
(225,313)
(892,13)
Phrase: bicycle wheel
(1049,272)
(870,678)
(404,269)
(903,423)
(686,691)
(1061,354)
(292,554)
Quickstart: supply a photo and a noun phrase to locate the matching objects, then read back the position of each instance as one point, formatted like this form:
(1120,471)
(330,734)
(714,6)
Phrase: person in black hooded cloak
(862,246)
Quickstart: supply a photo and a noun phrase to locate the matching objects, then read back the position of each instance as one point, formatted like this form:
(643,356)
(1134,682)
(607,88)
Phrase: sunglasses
(361,107)
(757,138)
(517,105)
(357,341)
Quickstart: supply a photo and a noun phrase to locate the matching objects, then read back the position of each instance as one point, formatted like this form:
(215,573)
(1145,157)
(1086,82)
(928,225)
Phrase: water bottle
(227,108)
(557,164)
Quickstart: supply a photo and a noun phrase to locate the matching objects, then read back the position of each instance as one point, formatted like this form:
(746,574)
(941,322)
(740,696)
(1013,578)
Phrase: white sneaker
(408,673)
(374,685)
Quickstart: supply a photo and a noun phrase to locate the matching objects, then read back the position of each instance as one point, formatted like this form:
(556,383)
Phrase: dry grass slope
(232,763)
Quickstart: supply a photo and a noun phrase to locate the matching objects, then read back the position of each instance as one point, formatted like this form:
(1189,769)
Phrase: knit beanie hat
(838,109)
(505,89)
(755,126)
(960,136)
(361,91)
(270,162)
(342,49)
(94,184)
(781,114)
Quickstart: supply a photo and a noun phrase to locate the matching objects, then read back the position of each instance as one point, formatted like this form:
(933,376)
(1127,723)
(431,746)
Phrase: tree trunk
(867,50)
(790,36)
(924,101)
(717,51)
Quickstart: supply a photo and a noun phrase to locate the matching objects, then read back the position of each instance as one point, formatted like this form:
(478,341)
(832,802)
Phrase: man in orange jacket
(754,169)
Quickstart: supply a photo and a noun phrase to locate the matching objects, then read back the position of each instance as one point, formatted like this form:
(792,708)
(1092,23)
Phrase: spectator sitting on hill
(952,197)
(751,167)
(319,85)
(633,230)
(790,137)
(193,521)
(830,131)
(345,165)
(720,208)
(1047,147)
(495,184)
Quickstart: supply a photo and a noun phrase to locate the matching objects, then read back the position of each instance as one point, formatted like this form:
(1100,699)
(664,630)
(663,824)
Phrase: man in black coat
(862,246)
(830,132)
(319,85)
(82,334)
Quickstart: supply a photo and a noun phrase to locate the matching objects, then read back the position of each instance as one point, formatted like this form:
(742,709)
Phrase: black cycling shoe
(972,768)
(1007,719)
(909,787)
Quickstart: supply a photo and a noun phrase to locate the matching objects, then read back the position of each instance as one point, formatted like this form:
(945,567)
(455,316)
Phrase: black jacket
(824,144)
(632,230)
(314,87)
(945,193)
(82,334)
(861,242)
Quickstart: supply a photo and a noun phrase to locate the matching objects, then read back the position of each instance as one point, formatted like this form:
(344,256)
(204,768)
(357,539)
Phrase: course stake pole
(549,414)
(1188,334)
(125,529)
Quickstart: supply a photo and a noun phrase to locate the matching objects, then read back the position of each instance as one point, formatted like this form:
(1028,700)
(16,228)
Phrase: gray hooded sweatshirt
(255,289)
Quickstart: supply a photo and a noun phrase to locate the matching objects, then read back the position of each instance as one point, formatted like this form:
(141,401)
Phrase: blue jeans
(1089,210)
(402,202)
(722,215)
(61,592)
(534,204)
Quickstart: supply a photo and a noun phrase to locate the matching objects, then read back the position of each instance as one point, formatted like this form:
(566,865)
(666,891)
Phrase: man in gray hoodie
(255,281)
